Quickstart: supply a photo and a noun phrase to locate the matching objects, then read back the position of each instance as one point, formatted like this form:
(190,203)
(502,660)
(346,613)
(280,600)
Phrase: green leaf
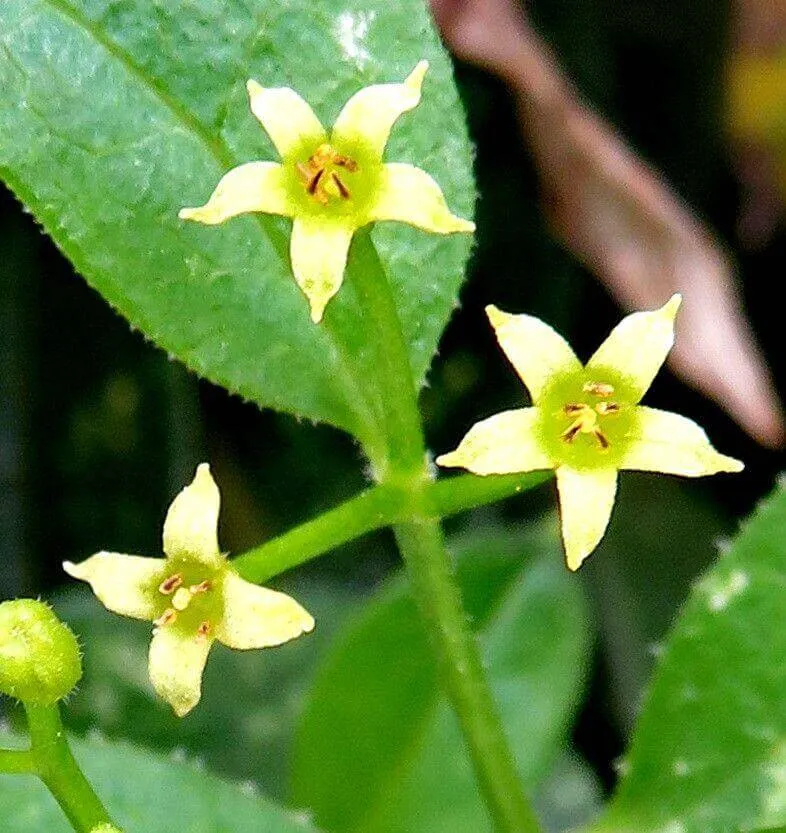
(636,604)
(146,793)
(115,115)
(709,749)
(768,830)
(379,748)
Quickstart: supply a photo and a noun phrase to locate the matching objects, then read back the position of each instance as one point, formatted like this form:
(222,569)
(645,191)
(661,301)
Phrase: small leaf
(709,749)
(379,748)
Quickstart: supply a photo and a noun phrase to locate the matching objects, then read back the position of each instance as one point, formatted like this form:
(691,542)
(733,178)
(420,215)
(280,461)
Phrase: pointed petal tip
(72,569)
(203,214)
(496,316)
(84,569)
(462,225)
(575,558)
(253,87)
(184,704)
(415,78)
(672,305)
(448,460)
(452,225)
(191,523)
(732,465)
(205,482)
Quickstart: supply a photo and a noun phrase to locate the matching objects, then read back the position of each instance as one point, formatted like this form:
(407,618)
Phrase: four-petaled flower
(331,185)
(586,422)
(193,597)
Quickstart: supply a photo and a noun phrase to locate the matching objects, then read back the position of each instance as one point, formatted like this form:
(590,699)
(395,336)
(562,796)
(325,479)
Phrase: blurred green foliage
(165,793)
(365,745)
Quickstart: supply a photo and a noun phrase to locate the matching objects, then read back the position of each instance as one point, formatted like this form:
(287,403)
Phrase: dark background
(99,429)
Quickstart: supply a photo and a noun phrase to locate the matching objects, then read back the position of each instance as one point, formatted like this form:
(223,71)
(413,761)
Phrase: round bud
(39,656)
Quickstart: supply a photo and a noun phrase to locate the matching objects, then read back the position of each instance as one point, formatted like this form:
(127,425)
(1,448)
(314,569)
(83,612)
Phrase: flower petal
(638,345)
(255,186)
(502,444)
(124,584)
(176,662)
(586,499)
(286,117)
(537,352)
(368,117)
(410,195)
(191,525)
(318,249)
(674,444)
(255,617)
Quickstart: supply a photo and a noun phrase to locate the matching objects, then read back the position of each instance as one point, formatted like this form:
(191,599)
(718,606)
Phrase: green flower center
(192,598)
(332,180)
(325,174)
(588,420)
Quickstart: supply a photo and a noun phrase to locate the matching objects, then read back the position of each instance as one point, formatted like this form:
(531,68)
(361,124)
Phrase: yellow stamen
(342,189)
(599,389)
(321,180)
(169,585)
(586,421)
(204,630)
(166,618)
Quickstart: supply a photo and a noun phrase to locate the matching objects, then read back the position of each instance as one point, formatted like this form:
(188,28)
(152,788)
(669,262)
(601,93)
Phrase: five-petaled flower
(586,421)
(193,596)
(331,185)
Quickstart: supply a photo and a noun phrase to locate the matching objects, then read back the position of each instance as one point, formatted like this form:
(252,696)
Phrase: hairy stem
(378,507)
(430,568)
(58,769)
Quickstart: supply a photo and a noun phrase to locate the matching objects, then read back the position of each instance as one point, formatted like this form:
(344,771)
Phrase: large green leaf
(146,793)
(115,115)
(379,748)
(709,750)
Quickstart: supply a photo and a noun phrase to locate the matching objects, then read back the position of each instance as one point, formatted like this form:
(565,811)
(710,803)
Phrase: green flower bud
(105,828)
(39,656)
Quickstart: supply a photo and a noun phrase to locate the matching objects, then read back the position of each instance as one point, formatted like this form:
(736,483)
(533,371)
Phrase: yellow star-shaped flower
(193,596)
(586,422)
(331,185)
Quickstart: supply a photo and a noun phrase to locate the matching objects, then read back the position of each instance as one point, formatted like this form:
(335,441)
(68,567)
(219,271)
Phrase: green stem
(421,542)
(379,507)
(404,433)
(17,762)
(466,491)
(58,769)
(431,571)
